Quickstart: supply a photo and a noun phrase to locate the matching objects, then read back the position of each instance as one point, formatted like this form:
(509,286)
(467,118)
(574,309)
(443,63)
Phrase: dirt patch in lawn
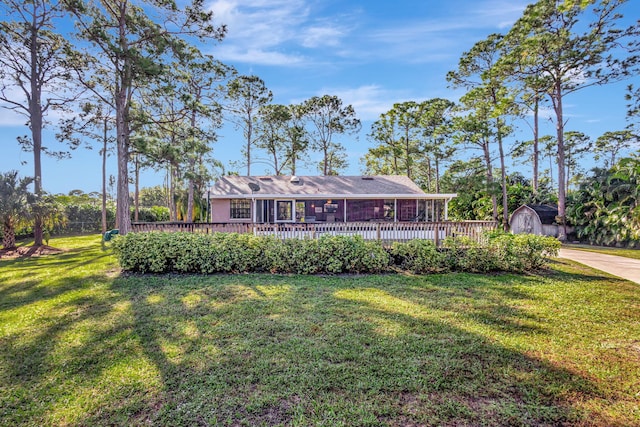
(29,251)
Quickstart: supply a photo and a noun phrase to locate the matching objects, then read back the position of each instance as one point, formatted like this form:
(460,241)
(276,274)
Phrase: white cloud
(369,101)
(259,56)
(438,39)
(501,13)
(266,31)
(10,118)
(275,28)
(322,36)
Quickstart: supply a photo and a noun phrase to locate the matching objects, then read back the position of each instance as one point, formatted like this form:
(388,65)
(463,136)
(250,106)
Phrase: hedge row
(87,218)
(158,252)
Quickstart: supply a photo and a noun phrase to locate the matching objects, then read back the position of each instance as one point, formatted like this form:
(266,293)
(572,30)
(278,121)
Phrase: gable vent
(367,178)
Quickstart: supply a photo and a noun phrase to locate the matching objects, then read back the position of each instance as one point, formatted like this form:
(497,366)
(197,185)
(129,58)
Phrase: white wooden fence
(386,232)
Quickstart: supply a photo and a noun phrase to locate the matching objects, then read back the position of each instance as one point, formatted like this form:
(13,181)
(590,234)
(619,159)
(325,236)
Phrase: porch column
(446,209)
(395,210)
(345,210)
(253,211)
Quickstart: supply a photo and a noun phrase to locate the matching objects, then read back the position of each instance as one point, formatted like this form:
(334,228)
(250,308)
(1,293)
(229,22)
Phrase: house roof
(393,186)
(546,213)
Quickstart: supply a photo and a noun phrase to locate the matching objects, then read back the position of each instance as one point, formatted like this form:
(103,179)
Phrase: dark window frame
(239,209)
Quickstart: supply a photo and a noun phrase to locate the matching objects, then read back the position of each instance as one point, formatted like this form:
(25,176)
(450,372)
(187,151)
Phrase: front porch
(283,210)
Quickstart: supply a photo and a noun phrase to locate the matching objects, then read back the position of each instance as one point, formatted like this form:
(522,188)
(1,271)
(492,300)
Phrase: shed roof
(318,186)
(546,213)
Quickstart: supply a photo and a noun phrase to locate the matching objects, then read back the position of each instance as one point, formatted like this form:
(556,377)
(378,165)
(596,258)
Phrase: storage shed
(535,219)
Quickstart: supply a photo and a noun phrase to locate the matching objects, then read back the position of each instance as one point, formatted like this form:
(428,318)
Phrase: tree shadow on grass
(55,356)
(29,280)
(281,350)
(65,259)
(277,350)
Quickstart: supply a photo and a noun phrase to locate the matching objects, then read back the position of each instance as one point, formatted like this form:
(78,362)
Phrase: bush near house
(158,252)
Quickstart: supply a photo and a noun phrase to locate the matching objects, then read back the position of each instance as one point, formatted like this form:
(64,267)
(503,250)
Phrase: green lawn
(82,345)
(627,253)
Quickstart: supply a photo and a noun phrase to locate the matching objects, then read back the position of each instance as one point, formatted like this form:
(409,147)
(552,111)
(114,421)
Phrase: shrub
(522,252)
(464,254)
(351,254)
(152,214)
(418,256)
(158,252)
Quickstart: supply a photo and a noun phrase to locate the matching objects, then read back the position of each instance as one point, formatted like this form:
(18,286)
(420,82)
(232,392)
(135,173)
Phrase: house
(323,199)
(535,219)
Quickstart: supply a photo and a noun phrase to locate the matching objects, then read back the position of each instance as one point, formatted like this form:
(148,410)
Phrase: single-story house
(312,199)
(535,219)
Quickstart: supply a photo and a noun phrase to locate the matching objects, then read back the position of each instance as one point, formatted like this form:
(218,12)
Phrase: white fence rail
(386,232)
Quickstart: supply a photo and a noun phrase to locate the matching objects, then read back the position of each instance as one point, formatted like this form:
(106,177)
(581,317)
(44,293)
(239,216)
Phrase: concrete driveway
(626,268)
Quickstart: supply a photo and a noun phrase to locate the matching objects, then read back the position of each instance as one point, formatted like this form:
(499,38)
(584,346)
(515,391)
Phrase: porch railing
(386,232)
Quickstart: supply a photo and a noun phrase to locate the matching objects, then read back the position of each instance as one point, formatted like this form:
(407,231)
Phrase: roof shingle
(310,185)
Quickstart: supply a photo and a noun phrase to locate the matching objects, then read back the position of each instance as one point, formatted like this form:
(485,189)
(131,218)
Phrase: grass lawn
(627,253)
(81,344)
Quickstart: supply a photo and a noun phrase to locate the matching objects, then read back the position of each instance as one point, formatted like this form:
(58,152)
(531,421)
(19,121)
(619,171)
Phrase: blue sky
(370,53)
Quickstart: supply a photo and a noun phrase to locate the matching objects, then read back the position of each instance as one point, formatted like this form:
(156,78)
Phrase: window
(365,210)
(300,211)
(407,210)
(284,210)
(240,209)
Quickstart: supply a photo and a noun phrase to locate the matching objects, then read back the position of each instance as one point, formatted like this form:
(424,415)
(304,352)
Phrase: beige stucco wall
(220,209)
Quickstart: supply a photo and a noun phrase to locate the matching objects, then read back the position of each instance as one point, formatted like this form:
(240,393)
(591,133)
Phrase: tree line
(132,76)
(556,48)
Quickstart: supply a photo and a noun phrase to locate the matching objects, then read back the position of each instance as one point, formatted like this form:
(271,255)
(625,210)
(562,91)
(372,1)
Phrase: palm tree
(14,206)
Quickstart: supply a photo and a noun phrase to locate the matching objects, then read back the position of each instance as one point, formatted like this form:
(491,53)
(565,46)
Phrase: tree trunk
(136,192)
(394,153)
(190,202)
(437,177)
(192,167)
(123,216)
(487,162)
(503,179)
(567,159)
(407,152)
(173,210)
(249,136)
(557,101)
(123,85)
(104,176)
(326,160)
(428,174)
(536,150)
(35,118)
(8,236)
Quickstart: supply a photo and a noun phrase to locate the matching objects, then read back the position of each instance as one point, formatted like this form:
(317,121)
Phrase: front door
(285,211)
(262,211)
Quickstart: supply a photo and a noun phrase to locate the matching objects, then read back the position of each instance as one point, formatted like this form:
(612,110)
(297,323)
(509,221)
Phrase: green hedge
(87,218)
(158,252)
